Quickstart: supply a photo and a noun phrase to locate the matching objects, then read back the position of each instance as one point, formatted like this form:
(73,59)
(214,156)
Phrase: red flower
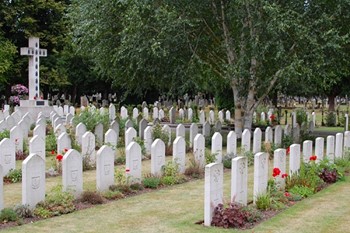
(59,157)
(35,97)
(127,170)
(284,175)
(313,158)
(53,152)
(276,172)
(42,97)
(272,117)
(286,194)
(65,149)
(288,150)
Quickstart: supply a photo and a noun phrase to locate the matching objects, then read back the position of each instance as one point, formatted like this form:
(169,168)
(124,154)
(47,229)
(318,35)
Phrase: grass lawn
(177,208)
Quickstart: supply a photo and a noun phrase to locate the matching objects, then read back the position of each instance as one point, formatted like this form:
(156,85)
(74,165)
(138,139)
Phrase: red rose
(65,149)
(284,175)
(59,157)
(272,117)
(127,170)
(53,152)
(288,150)
(35,97)
(313,158)
(286,194)
(276,171)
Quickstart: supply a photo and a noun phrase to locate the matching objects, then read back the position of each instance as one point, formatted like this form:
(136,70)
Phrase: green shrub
(169,180)
(263,201)
(8,215)
(151,182)
(331,119)
(14,176)
(50,142)
(209,157)
(141,142)
(227,160)
(194,169)
(42,212)
(302,191)
(4,134)
(112,195)
(123,188)
(91,118)
(301,116)
(157,132)
(136,186)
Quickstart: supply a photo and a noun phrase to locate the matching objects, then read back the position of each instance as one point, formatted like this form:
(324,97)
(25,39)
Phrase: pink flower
(127,170)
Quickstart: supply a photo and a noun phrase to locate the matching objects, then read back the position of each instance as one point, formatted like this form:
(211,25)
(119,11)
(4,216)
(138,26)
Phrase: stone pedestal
(35,107)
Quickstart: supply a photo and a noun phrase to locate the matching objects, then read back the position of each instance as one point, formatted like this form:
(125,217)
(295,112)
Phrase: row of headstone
(239,171)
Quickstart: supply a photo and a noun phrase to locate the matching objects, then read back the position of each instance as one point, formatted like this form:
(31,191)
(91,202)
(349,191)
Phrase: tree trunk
(238,121)
(331,103)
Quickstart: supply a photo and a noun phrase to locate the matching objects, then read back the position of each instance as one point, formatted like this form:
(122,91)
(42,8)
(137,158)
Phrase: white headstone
(294,159)
(319,148)
(111,140)
(206,129)
(157,157)
(115,126)
(130,134)
(338,145)
(7,156)
(228,116)
(133,162)
(11,122)
(60,129)
(193,133)
(148,139)
(37,146)
(246,141)
(72,172)
(314,119)
(346,141)
(155,114)
(330,148)
(111,111)
(307,150)
(65,109)
(3,126)
(213,190)
(69,117)
(211,117)
(201,117)
(33,180)
(221,116)
(268,134)
(278,135)
(239,180)
(287,130)
(16,136)
(216,147)
(145,113)
(123,112)
(88,147)
(199,150)
(99,133)
(257,140)
(80,130)
(261,170)
(232,143)
(64,143)
(72,110)
(279,161)
(179,153)
(60,111)
(262,117)
(190,114)
(135,113)
(346,122)
(294,119)
(25,128)
(180,131)
(104,168)
(40,130)
(161,114)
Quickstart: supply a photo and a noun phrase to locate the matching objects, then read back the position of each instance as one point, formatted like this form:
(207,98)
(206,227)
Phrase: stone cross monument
(34,53)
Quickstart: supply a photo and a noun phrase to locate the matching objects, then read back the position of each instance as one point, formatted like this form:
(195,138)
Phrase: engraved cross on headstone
(34,53)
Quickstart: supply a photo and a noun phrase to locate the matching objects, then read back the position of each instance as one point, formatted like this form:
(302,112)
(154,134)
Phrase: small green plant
(8,215)
(14,176)
(250,156)
(42,212)
(141,142)
(136,186)
(301,116)
(123,188)
(171,174)
(263,201)
(227,160)
(151,182)
(302,191)
(112,195)
(23,211)
(50,142)
(157,132)
(209,157)
(4,134)
(91,118)
(194,169)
